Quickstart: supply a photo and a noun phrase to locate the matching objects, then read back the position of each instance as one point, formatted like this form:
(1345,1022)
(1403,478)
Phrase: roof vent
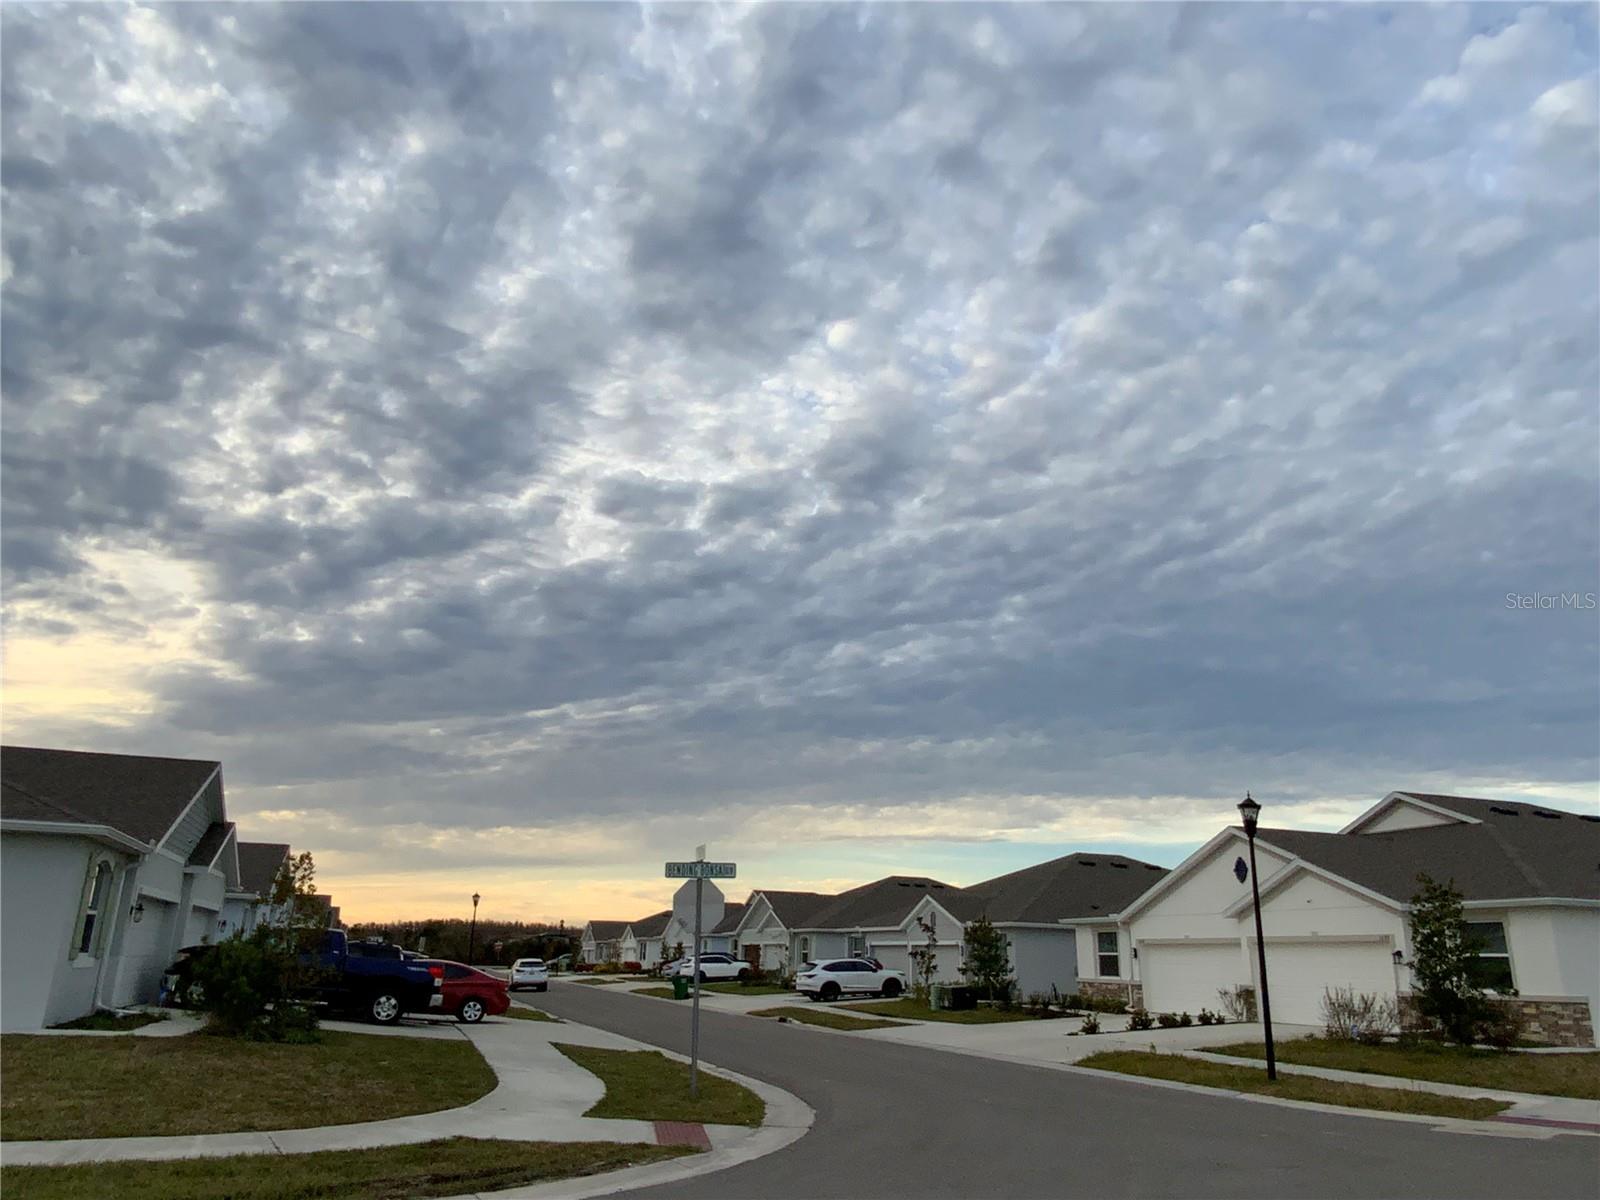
(920,885)
(1547,816)
(1151,867)
(1120,866)
(903,882)
(1504,812)
(1587,817)
(938,887)
(1094,906)
(1087,862)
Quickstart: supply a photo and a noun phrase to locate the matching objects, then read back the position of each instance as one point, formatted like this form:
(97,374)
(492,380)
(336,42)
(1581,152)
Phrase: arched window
(97,895)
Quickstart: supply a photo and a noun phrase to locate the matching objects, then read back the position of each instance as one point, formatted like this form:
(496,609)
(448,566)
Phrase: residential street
(896,1120)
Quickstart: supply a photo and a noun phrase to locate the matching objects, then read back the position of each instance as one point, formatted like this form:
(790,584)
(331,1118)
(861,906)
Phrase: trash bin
(680,987)
(939,996)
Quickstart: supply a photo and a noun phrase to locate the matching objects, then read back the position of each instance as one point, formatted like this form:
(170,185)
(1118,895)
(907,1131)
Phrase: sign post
(699,870)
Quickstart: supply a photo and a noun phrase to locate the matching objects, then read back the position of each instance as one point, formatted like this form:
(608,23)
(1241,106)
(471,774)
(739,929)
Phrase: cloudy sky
(523,442)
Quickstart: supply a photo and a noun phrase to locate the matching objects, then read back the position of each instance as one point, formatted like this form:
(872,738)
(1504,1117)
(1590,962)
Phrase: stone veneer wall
(1125,990)
(1554,1020)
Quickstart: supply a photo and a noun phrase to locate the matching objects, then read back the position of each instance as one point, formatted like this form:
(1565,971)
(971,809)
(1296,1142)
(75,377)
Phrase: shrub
(1091,1023)
(1185,1020)
(1168,1021)
(1444,957)
(1364,1017)
(1502,1025)
(988,961)
(1206,1017)
(1139,1019)
(1238,1003)
(633,967)
(247,984)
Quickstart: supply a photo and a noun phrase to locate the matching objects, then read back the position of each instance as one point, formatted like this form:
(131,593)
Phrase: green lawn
(827,1017)
(1505,1070)
(443,1168)
(729,988)
(660,993)
(1290,1087)
(914,1010)
(112,1022)
(518,1012)
(67,1087)
(646,1085)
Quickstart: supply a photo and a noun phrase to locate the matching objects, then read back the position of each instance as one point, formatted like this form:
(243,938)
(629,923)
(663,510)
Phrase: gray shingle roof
(258,865)
(732,914)
(1516,851)
(795,909)
(1074,886)
(877,904)
(137,795)
(604,931)
(652,926)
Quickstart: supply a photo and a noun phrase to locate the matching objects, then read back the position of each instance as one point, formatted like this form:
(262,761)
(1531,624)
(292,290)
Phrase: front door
(752,955)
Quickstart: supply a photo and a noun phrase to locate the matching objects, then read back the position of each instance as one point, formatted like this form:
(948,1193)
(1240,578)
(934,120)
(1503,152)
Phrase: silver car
(530,973)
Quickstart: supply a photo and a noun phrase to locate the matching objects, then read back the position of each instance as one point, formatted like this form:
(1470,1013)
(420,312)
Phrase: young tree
(925,959)
(988,965)
(1443,952)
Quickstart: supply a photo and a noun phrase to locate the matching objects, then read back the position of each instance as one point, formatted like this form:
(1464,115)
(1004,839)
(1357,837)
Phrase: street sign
(702,870)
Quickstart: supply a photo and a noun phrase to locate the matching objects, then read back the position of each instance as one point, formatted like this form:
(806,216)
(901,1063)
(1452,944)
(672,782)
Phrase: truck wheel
(891,989)
(744,973)
(471,1012)
(830,991)
(383,1008)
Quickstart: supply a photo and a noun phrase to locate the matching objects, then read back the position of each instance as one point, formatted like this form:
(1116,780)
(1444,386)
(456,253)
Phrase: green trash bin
(680,987)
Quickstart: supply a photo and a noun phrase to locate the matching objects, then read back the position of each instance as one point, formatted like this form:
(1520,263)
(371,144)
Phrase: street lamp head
(475,899)
(1250,811)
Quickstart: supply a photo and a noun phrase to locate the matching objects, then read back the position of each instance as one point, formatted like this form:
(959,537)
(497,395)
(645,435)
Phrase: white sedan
(713,966)
(835,977)
(530,973)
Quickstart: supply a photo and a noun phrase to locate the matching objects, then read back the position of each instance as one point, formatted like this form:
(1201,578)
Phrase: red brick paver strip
(682,1133)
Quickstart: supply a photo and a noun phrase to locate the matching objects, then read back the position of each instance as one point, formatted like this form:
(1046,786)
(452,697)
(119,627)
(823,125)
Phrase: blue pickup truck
(373,980)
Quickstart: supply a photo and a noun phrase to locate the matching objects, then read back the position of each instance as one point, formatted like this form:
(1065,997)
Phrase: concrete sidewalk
(541,1096)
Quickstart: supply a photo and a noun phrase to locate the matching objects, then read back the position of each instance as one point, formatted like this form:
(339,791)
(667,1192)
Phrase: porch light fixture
(1250,811)
(1399,958)
(137,912)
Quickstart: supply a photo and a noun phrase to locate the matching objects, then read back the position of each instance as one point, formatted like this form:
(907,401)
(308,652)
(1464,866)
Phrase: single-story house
(249,905)
(1335,910)
(109,863)
(649,935)
(601,941)
(767,935)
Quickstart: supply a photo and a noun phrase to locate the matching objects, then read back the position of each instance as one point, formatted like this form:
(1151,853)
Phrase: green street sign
(701,870)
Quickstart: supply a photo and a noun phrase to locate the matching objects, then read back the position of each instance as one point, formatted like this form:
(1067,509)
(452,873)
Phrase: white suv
(835,977)
(713,966)
(530,973)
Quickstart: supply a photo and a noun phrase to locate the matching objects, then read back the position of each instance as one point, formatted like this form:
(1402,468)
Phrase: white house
(1335,910)
(109,863)
(601,941)
(767,934)
(248,905)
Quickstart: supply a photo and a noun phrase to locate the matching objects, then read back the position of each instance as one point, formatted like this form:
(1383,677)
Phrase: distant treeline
(447,938)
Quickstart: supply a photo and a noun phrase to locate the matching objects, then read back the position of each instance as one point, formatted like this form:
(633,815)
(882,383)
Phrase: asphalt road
(905,1121)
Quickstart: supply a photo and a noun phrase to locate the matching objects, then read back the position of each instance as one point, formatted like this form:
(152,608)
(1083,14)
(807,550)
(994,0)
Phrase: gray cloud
(598,410)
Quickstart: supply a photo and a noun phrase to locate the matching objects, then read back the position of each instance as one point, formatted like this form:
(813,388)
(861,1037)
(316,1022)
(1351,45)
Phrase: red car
(469,994)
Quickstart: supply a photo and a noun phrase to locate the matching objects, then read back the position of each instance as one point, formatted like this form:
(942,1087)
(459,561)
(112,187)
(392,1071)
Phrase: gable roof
(605,931)
(1073,886)
(795,909)
(732,914)
(258,865)
(210,844)
(876,905)
(652,926)
(132,793)
(1512,851)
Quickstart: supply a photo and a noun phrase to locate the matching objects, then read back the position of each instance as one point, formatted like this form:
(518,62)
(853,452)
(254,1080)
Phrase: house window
(93,906)
(858,945)
(1110,964)
(805,949)
(1492,968)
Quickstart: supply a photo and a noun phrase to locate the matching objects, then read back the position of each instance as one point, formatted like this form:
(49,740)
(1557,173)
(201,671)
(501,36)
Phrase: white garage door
(144,953)
(893,957)
(1298,973)
(1188,978)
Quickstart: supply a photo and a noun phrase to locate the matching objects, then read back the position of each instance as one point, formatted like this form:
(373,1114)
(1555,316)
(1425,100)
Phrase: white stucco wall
(1554,952)
(1194,906)
(1405,816)
(145,954)
(1309,906)
(41,887)
(1086,940)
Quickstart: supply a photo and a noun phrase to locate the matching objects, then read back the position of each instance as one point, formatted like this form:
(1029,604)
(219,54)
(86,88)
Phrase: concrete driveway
(911,1120)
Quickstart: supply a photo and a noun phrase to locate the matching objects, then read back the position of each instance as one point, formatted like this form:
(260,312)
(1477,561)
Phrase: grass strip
(915,1010)
(1576,1075)
(105,1022)
(79,1087)
(521,1012)
(826,1017)
(747,989)
(646,1085)
(1290,1087)
(660,993)
(442,1168)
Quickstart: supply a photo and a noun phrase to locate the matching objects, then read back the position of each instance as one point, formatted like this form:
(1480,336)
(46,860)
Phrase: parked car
(177,981)
(372,979)
(530,973)
(713,966)
(469,994)
(835,977)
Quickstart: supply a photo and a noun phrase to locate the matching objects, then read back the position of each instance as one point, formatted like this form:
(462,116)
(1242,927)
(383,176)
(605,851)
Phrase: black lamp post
(472,933)
(1250,811)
